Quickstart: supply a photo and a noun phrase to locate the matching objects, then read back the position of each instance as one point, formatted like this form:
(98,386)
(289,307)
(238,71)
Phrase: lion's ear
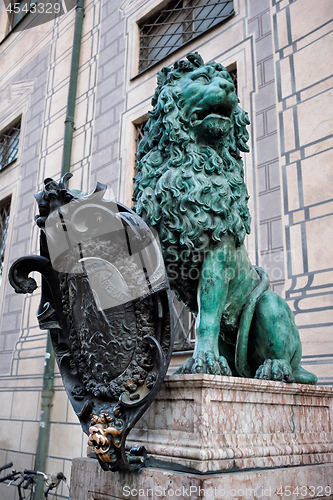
(162,76)
(196,59)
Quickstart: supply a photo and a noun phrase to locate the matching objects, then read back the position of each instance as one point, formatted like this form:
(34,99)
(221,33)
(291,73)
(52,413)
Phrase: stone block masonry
(216,437)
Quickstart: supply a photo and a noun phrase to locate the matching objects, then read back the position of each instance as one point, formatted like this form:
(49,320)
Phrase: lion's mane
(188,193)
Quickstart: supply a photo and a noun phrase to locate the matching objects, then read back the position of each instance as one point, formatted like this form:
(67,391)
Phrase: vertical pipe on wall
(47,392)
(44,422)
(69,122)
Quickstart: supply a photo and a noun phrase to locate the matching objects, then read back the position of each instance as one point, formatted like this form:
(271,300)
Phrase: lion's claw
(224,367)
(205,362)
(275,369)
(187,368)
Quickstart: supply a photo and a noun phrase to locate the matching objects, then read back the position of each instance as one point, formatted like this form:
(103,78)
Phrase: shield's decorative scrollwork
(105,302)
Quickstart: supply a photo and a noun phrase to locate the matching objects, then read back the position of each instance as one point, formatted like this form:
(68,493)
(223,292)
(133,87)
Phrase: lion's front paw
(275,369)
(205,362)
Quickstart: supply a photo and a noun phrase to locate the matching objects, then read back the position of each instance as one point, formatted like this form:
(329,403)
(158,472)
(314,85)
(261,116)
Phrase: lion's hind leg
(275,369)
(280,370)
(276,346)
(302,376)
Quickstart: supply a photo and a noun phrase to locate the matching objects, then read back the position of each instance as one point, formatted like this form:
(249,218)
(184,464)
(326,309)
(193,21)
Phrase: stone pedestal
(90,482)
(209,423)
(223,437)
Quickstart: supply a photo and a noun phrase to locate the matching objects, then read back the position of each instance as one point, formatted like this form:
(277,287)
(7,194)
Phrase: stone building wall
(282,53)
(35,65)
(302,41)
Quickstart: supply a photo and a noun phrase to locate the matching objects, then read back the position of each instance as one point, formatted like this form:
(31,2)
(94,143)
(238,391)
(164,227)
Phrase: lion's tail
(242,366)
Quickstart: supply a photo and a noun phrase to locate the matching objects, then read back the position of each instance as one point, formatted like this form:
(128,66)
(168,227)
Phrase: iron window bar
(4,222)
(177,23)
(184,325)
(139,133)
(9,142)
(168,33)
(183,9)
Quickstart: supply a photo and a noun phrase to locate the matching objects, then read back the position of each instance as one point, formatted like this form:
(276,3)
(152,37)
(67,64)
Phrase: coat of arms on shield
(105,302)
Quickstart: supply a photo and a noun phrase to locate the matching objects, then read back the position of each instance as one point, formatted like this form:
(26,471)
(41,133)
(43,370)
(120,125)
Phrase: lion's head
(190,182)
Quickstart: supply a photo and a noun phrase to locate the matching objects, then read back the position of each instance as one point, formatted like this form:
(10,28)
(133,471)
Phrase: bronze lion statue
(190,188)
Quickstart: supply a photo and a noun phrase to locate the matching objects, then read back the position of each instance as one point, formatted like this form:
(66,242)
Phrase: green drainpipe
(69,122)
(44,422)
(48,377)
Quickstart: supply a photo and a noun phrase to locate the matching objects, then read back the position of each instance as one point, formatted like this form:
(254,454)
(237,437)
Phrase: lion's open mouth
(220,111)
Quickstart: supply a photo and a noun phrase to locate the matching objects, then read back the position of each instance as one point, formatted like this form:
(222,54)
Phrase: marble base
(90,482)
(207,423)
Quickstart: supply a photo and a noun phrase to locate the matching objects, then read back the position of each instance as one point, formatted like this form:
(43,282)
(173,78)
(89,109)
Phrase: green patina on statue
(190,188)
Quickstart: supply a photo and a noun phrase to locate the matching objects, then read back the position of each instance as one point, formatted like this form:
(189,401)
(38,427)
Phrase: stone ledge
(250,384)
(90,482)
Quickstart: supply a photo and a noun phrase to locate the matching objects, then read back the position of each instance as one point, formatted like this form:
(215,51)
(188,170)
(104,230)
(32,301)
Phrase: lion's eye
(202,78)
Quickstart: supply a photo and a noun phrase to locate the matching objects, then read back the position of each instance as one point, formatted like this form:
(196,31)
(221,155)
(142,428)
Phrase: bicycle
(27,481)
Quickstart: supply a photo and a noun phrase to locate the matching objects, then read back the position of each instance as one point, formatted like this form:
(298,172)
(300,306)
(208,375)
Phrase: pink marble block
(90,482)
(210,423)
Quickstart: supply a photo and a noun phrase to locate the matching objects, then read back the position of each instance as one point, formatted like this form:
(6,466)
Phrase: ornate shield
(105,302)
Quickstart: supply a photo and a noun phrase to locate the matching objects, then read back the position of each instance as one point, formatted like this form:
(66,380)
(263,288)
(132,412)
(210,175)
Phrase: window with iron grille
(9,142)
(176,24)
(4,221)
(139,133)
(184,325)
